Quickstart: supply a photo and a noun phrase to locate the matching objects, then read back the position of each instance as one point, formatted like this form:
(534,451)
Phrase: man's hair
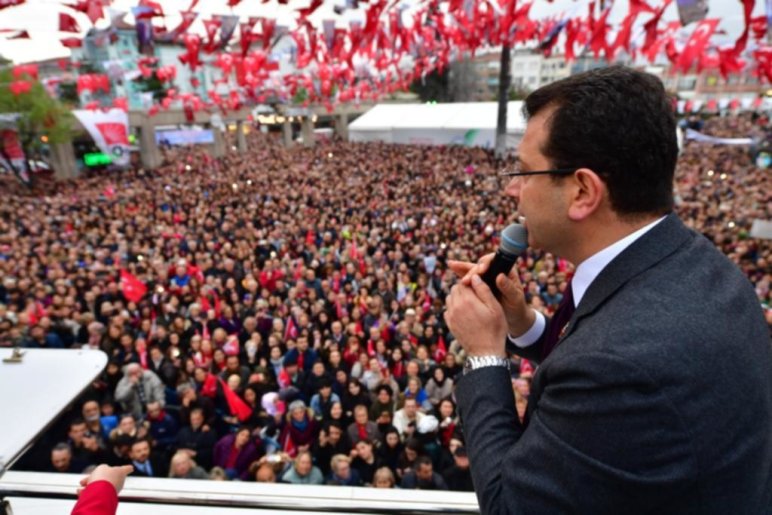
(76,422)
(423,460)
(618,122)
(61,446)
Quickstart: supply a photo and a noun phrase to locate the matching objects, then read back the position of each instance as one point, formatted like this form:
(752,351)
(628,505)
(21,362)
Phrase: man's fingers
(483,292)
(460,268)
(84,481)
(126,469)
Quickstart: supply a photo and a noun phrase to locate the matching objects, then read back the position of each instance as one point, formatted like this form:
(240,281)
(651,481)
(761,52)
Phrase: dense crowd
(291,325)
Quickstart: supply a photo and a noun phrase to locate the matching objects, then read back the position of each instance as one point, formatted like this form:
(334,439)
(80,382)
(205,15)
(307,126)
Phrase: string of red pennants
(388,52)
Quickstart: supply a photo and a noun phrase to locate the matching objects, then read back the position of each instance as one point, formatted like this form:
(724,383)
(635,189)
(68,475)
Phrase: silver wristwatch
(475,362)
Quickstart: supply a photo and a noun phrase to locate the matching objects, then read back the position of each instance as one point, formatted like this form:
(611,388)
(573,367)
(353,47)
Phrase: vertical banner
(228,27)
(769,20)
(692,10)
(110,131)
(12,156)
(144,25)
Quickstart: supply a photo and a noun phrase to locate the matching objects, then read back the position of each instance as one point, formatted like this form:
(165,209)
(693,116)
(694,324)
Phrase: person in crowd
(384,478)
(458,476)
(362,428)
(146,462)
(332,440)
(63,461)
(302,471)
(300,429)
(137,388)
(406,418)
(365,461)
(235,452)
(182,466)
(341,473)
(423,477)
(162,427)
(197,440)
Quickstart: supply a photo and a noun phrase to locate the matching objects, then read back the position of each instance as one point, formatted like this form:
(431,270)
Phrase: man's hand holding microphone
(489,301)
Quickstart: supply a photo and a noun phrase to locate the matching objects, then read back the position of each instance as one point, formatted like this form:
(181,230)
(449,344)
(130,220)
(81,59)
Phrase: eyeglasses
(516,172)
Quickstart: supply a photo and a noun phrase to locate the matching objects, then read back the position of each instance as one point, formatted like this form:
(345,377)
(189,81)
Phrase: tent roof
(472,115)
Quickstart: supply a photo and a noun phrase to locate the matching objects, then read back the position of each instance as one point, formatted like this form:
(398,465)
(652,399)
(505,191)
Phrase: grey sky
(40,18)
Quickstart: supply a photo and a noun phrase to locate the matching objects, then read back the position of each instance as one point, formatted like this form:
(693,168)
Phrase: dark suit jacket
(657,400)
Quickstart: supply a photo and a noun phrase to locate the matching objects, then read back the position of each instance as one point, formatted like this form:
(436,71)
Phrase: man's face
(334,435)
(424,472)
(140,452)
(540,199)
(364,450)
(182,467)
(76,433)
(153,409)
(61,460)
(360,416)
(91,411)
(411,408)
(462,462)
(303,464)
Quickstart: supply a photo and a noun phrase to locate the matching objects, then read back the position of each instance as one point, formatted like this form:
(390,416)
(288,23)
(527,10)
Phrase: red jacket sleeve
(98,498)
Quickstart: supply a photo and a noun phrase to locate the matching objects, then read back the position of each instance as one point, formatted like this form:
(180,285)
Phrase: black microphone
(514,241)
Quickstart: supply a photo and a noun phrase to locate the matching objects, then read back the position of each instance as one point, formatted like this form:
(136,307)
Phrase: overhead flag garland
(395,44)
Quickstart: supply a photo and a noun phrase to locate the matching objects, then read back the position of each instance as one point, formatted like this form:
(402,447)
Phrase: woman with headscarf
(300,429)
(439,386)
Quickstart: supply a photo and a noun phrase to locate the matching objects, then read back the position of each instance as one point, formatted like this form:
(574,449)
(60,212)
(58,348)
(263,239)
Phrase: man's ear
(586,194)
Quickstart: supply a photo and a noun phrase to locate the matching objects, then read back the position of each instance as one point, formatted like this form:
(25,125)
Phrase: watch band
(475,362)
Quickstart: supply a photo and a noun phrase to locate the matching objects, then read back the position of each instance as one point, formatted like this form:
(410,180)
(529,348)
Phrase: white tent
(468,124)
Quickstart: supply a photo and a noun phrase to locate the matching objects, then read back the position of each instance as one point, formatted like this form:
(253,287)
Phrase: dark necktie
(141,392)
(558,322)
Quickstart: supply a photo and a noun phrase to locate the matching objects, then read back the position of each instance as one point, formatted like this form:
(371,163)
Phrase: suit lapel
(651,248)
(661,241)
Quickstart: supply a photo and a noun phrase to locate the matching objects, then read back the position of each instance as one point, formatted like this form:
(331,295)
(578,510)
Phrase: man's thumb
(506,286)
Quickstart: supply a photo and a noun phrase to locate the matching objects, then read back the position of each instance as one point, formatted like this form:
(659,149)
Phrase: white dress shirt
(585,274)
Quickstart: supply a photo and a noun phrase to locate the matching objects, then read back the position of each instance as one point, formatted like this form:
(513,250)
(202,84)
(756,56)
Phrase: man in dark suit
(654,391)
(145,462)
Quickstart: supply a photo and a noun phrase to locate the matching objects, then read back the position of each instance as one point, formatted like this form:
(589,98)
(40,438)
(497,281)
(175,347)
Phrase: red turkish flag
(651,26)
(133,289)
(72,42)
(67,23)
(10,3)
(113,133)
(696,44)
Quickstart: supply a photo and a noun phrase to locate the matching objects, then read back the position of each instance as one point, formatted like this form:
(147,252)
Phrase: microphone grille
(514,239)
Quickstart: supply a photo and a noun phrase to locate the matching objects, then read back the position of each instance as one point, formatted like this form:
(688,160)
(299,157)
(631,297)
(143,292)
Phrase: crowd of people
(289,321)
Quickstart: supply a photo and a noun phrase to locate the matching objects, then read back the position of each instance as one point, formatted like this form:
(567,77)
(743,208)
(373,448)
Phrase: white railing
(18,488)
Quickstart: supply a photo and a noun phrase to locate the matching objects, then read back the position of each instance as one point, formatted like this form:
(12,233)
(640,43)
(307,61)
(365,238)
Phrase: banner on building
(185,137)
(692,10)
(110,131)
(704,138)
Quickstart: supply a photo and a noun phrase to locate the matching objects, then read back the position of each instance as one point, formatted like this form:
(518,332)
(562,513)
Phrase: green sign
(97,159)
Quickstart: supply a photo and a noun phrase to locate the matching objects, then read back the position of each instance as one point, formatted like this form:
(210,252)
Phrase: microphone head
(514,239)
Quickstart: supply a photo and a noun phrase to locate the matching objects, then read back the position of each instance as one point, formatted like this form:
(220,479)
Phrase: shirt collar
(589,269)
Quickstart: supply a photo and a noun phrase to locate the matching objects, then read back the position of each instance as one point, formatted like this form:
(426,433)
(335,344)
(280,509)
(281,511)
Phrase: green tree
(154,86)
(39,115)
(434,87)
